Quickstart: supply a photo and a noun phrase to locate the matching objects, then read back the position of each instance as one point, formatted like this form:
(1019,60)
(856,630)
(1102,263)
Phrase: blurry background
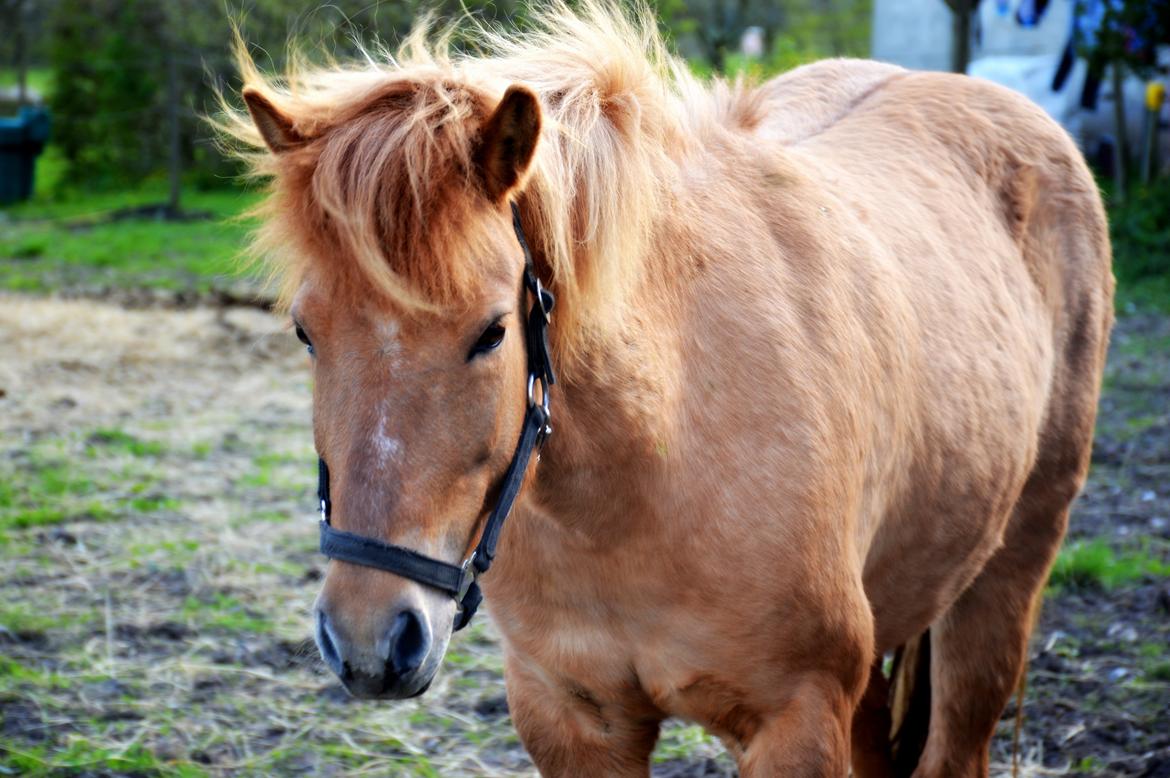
(157,543)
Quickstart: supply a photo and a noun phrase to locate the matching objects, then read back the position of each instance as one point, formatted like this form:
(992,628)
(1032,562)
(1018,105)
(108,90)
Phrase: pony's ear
(275,128)
(507,142)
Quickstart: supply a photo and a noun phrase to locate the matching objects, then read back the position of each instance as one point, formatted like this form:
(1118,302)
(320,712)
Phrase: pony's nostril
(408,640)
(327,646)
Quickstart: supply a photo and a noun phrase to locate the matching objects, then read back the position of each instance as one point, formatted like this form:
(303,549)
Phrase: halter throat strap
(459,581)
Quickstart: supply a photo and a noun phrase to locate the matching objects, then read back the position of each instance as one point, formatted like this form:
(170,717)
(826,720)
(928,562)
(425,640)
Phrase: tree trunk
(175,162)
(1121,143)
(21,54)
(964,12)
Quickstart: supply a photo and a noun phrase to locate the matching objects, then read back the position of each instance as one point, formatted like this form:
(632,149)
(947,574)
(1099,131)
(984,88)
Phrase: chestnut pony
(828,353)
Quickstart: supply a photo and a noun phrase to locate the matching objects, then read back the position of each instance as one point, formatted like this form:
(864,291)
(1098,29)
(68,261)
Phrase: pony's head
(388,223)
(410,301)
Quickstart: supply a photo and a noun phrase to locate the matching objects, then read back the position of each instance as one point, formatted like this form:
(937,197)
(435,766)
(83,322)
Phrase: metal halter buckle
(539,292)
(546,429)
(467,577)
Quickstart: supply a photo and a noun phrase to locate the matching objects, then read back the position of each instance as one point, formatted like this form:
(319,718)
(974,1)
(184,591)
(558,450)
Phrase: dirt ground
(158,562)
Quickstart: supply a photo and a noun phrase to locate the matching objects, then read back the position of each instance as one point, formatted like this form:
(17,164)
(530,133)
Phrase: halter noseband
(459,581)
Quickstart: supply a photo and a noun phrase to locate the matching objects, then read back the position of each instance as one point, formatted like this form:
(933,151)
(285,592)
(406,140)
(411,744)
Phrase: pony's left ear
(275,128)
(508,141)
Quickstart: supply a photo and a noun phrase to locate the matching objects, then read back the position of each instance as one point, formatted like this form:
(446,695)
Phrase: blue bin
(21,139)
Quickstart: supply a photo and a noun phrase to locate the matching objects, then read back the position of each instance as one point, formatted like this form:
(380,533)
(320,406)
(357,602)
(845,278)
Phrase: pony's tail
(910,703)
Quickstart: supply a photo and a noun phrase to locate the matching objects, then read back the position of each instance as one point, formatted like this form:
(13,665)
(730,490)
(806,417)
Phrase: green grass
(19,618)
(681,742)
(52,484)
(87,757)
(224,612)
(115,440)
(1095,564)
(49,491)
(40,80)
(56,241)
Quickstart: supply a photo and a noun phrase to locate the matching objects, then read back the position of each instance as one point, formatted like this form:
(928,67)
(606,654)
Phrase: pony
(828,351)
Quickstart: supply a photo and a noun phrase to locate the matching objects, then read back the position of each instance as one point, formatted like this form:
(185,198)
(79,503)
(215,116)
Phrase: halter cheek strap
(459,581)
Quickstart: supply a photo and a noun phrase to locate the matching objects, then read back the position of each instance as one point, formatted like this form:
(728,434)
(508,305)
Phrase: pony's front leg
(569,733)
(808,738)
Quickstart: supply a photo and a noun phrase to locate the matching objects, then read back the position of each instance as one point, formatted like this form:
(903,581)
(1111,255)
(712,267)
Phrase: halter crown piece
(459,581)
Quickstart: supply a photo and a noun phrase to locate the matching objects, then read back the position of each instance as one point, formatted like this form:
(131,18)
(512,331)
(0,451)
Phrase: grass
(40,80)
(1095,564)
(66,243)
(19,619)
(62,239)
(223,611)
(84,756)
(102,476)
(113,439)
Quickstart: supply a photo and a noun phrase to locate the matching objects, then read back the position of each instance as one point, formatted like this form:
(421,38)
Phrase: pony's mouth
(364,687)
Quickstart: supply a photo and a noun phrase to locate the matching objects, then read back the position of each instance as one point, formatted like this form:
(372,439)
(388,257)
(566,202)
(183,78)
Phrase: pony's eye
(303,338)
(492,337)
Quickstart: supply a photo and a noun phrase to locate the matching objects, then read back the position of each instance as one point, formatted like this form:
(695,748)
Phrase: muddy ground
(157,564)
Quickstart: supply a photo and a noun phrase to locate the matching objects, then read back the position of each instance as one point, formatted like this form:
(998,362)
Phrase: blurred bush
(108,68)
(708,32)
(1140,229)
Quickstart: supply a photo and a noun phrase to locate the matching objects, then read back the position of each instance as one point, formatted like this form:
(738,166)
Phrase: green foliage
(112,63)
(108,60)
(708,32)
(1140,230)
(1094,564)
(1130,32)
(111,59)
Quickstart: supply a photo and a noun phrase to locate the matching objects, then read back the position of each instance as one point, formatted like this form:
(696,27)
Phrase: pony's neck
(614,408)
(613,421)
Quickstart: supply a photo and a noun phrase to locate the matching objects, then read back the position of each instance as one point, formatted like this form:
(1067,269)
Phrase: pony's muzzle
(390,667)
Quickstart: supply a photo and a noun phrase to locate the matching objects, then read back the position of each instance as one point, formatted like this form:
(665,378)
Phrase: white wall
(913,33)
(1003,35)
(917,33)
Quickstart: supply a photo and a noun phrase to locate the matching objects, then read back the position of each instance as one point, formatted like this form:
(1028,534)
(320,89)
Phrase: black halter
(459,581)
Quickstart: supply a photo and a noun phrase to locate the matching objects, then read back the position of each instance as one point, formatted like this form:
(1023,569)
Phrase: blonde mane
(385,172)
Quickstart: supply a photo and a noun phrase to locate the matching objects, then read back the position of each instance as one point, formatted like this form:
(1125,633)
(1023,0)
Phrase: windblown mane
(382,184)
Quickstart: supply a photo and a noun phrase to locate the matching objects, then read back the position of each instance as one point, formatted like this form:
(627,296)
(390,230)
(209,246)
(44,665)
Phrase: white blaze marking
(387,448)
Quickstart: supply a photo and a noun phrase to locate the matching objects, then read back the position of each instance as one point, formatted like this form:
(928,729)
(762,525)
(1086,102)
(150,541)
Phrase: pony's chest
(629,653)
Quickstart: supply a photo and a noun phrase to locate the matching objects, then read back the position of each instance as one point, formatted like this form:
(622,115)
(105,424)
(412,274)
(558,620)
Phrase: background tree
(1123,36)
(134,77)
